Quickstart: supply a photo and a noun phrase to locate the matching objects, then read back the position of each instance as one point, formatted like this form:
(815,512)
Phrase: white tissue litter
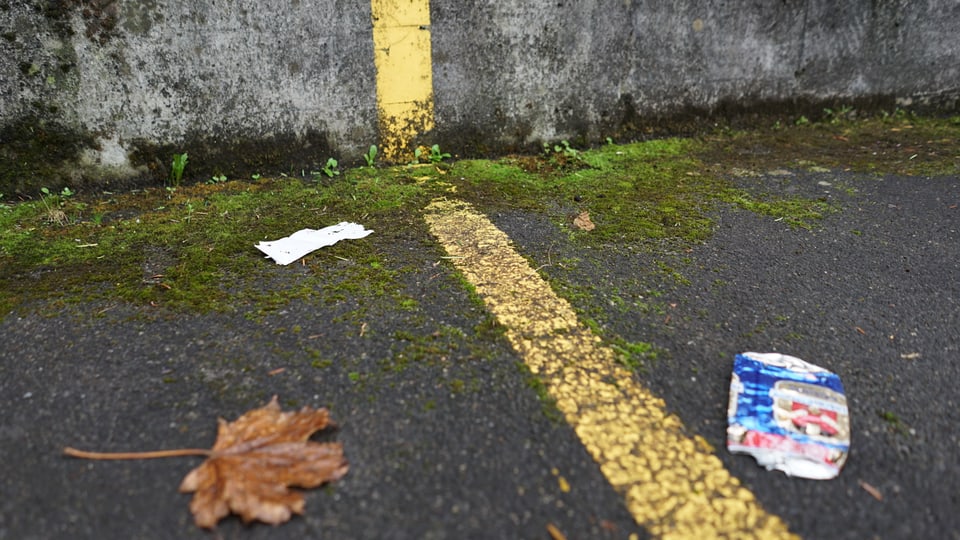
(289,249)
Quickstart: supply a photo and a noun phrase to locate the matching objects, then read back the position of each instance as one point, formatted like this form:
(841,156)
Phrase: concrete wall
(105,91)
(114,87)
(509,71)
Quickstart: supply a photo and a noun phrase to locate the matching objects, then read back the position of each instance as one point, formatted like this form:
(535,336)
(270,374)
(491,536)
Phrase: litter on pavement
(788,414)
(293,247)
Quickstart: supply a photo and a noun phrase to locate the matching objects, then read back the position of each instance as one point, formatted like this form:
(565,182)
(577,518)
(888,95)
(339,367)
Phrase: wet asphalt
(445,433)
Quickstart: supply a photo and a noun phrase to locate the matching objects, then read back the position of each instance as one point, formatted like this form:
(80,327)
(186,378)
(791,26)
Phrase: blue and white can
(789,414)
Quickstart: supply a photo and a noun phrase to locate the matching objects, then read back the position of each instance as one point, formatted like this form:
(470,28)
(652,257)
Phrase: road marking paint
(672,483)
(401,42)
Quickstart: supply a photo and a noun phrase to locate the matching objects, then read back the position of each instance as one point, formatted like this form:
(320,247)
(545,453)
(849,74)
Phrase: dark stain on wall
(236,158)
(100,17)
(34,152)
(39,154)
(625,123)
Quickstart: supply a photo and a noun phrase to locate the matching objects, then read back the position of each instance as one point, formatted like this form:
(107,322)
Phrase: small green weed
(563,148)
(436,156)
(45,195)
(567,150)
(371,156)
(835,117)
(176,168)
(562,155)
(898,114)
(330,169)
(433,154)
(217,179)
(54,204)
(65,193)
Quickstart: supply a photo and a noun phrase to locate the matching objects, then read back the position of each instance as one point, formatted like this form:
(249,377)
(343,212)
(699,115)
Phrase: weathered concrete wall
(115,87)
(107,90)
(524,71)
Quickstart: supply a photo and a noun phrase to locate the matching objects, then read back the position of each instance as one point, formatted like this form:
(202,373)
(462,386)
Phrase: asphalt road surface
(446,432)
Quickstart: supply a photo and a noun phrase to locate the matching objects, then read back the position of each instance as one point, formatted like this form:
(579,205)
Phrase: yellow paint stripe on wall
(402,56)
(672,483)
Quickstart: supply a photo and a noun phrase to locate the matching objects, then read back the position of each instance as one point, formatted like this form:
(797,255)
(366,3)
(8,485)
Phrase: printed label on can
(788,414)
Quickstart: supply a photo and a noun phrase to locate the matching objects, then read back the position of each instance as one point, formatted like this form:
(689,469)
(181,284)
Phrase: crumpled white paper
(289,249)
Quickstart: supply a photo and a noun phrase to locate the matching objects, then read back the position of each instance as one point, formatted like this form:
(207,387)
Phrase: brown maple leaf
(253,463)
(256,458)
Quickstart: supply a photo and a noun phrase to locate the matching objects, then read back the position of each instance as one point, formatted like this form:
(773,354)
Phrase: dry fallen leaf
(583,222)
(254,461)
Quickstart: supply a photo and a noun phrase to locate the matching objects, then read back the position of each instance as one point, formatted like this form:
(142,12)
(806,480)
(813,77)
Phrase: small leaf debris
(582,222)
(253,462)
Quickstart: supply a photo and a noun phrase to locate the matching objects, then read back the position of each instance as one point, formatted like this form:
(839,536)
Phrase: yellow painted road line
(673,484)
(401,41)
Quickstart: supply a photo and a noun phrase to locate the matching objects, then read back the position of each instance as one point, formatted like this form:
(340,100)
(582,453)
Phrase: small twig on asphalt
(555,533)
(874,492)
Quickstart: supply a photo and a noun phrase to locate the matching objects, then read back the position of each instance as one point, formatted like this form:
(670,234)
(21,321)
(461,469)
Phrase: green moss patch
(897,143)
(192,247)
(634,193)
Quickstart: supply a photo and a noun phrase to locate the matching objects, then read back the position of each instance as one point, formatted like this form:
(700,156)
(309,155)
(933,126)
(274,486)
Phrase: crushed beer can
(789,414)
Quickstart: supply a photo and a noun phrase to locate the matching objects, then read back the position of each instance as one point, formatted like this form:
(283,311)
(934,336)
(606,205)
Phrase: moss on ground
(192,248)
(898,143)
